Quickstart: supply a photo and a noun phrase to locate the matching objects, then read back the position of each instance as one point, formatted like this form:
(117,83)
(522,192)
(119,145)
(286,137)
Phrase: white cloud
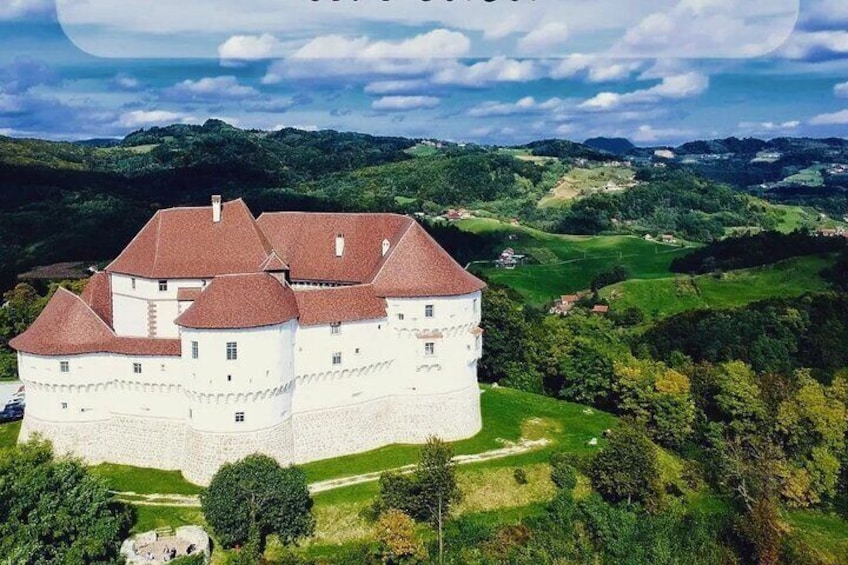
(439,43)
(144,118)
(496,69)
(395,86)
(649,134)
(126,82)
(672,87)
(250,47)
(769,126)
(302,127)
(544,38)
(711,28)
(526,105)
(816,45)
(834,118)
(212,88)
(14,9)
(596,69)
(841,90)
(404,103)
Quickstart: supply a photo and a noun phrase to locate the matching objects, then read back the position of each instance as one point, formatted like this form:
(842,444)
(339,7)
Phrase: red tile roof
(185,243)
(418,267)
(341,304)
(241,301)
(68,326)
(307,243)
(600,309)
(98,295)
(188,294)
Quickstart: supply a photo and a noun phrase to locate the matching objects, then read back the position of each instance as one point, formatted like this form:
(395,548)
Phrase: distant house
(668,238)
(509,259)
(453,215)
(664,154)
(600,309)
(514,222)
(564,304)
(830,232)
(648,237)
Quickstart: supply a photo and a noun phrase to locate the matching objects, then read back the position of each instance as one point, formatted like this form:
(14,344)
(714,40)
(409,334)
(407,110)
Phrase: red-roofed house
(214,335)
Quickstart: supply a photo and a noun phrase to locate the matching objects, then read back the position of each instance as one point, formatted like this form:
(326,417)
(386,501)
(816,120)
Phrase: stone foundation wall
(170,444)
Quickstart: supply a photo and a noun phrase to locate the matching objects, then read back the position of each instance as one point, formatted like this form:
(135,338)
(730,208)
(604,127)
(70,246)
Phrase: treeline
(754,251)
(668,201)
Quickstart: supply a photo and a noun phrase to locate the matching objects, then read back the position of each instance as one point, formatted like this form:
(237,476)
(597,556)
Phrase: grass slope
(664,297)
(563,264)
(9,434)
(584,181)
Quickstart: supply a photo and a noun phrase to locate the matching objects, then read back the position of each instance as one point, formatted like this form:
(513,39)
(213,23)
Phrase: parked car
(11,413)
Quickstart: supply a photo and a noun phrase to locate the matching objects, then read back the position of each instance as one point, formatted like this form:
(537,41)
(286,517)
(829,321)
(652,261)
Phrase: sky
(485,71)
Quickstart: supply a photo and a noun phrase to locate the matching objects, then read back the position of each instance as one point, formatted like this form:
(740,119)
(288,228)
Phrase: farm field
(562,264)
(664,297)
(583,181)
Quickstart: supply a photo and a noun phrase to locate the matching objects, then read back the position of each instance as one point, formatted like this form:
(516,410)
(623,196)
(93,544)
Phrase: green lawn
(671,295)
(124,478)
(562,264)
(9,434)
(826,535)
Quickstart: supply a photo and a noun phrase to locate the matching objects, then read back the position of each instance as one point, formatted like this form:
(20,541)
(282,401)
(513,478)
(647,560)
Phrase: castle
(215,335)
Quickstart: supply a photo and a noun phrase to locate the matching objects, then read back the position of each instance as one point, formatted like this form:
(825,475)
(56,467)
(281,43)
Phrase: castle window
(195,350)
(336,328)
(477,342)
(163,286)
(132,282)
(429,348)
(239,416)
(475,305)
(400,316)
(428,311)
(337,358)
(232,351)
(64,406)
(137,368)
(64,366)
(189,413)
(229,378)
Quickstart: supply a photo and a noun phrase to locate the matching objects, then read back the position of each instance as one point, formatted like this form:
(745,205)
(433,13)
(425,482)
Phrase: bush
(197,559)
(520,476)
(398,542)
(563,471)
(627,469)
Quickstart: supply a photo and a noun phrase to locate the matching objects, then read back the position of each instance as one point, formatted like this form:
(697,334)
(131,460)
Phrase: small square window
(195,350)
(229,378)
(64,406)
(132,282)
(337,358)
(239,416)
(336,328)
(428,311)
(357,351)
(64,366)
(429,348)
(137,368)
(163,286)
(232,351)
(400,316)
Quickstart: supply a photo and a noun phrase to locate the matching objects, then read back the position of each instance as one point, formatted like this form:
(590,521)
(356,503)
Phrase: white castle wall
(130,306)
(179,413)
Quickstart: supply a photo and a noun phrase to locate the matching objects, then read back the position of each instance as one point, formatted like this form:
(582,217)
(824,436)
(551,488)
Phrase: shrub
(563,471)
(520,476)
(398,542)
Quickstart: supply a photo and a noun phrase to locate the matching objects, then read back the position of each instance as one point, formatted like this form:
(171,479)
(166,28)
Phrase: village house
(215,335)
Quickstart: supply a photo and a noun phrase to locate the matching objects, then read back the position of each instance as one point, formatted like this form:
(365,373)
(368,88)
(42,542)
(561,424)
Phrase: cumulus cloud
(526,105)
(439,43)
(841,90)
(594,68)
(250,47)
(544,38)
(211,88)
(404,103)
(126,82)
(649,134)
(25,73)
(395,86)
(145,118)
(17,9)
(672,87)
(834,118)
(816,46)
(769,127)
(494,70)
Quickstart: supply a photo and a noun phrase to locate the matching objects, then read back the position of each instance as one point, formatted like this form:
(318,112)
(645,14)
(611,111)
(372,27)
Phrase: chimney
(216,208)
(386,246)
(339,245)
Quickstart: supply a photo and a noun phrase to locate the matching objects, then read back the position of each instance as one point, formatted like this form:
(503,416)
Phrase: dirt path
(193,501)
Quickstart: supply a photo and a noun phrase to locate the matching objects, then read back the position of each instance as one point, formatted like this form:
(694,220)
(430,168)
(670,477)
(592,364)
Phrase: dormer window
(64,367)
(340,244)
(428,311)
(163,286)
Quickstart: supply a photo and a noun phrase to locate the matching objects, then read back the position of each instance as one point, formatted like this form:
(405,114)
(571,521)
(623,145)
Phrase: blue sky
(489,72)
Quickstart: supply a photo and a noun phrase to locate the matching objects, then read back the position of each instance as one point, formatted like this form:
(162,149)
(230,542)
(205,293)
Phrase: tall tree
(254,497)
(53,511)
